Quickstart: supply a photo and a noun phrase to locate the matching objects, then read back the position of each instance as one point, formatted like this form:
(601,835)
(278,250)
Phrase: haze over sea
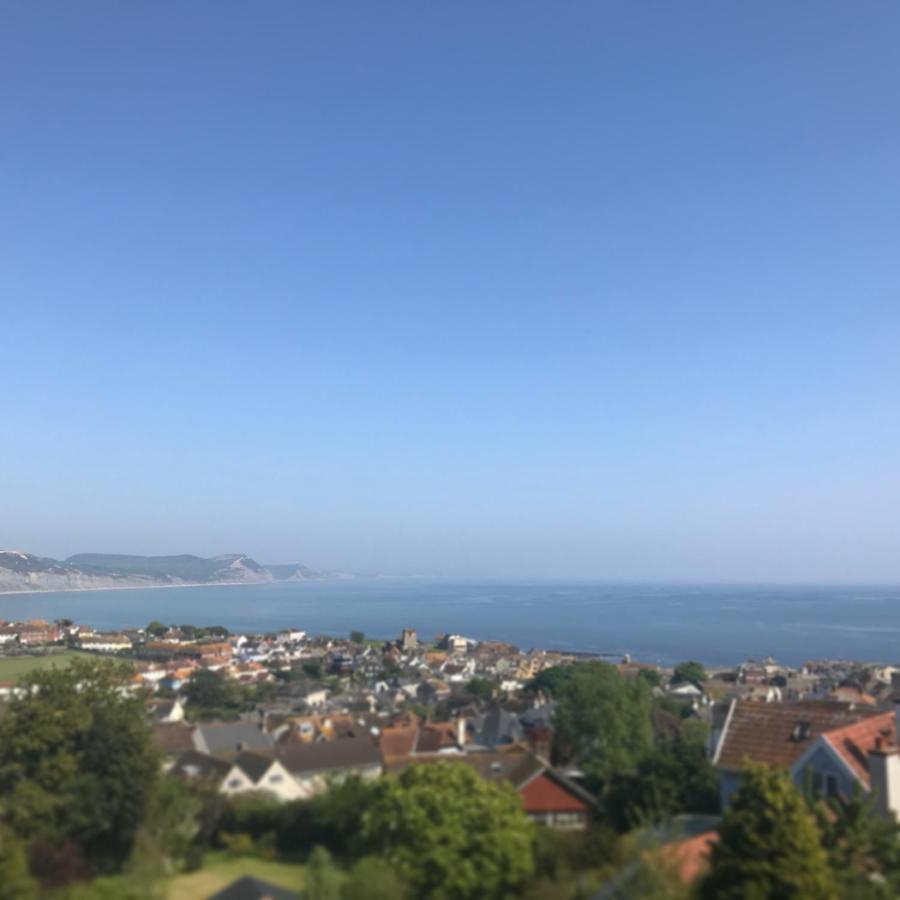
(719,625)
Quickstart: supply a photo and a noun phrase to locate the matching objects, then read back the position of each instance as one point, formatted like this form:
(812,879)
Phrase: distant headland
(24,572)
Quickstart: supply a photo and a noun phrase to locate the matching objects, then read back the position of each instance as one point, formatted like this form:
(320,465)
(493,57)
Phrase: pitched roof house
(257,772)
(314,765)
(173,738)
(399,742)
(830,744)
(548,797)
(230,738)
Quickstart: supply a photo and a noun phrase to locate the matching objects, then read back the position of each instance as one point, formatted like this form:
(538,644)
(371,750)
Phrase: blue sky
(588,289)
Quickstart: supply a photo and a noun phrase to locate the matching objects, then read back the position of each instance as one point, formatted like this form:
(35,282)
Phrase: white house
(167,710)
(316,765)
(9,634)
(104,643)
(254,772)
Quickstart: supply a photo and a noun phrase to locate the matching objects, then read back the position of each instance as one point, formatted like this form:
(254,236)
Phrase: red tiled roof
(434,736)
(854,742)
(545,794)
(691,856)
(777,734)
(398,741)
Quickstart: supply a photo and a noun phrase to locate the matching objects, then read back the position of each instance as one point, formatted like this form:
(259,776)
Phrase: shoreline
(151,587)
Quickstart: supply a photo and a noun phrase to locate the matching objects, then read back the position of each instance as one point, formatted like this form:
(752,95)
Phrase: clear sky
(584,289)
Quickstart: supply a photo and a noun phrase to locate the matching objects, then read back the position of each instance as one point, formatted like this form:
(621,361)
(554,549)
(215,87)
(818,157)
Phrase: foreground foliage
(769,846)
(77,767)
(450,834)
(602,719)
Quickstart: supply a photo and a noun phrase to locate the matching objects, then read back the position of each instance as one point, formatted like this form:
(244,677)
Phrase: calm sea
(718,625)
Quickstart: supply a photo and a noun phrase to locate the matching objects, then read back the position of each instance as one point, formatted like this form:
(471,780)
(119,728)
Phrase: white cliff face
(21,571)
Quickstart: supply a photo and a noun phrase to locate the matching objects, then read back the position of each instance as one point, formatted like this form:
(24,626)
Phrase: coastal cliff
(20,571)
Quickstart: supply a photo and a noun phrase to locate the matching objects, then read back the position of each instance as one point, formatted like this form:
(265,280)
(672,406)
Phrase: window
(823,785)
(567,818)
(274,779)
(234,783)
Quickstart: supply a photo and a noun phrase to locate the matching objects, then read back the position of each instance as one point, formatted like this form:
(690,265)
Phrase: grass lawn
(14,667)
(219,870)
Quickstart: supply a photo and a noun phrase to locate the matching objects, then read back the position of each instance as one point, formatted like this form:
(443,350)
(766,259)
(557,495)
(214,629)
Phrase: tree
(481,688)
(863,847)
(602,720)
(312,668)
(77,765)
(357,637)
(15,879)
(323,879)
(450,834)
(769,845)
(209,695)
(170,826)
(689,671)
(156,628)
(674,777)
(372,878)
(651,676)
(550,680)
(338,814)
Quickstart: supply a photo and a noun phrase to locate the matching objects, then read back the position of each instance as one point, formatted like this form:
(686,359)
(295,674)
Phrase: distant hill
(21,571)
(293,572)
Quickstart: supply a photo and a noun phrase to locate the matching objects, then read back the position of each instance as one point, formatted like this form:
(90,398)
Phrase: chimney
(884,778)
(461,731)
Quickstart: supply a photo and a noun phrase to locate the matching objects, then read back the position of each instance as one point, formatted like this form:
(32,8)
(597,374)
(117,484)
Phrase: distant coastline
(26,573)
(145,587)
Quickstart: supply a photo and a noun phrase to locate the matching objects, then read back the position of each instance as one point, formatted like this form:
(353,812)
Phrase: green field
(14,667)
(219,870)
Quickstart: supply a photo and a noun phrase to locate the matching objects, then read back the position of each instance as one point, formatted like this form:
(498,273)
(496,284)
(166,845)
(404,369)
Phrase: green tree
(156,629)
(357,637)
(551,680)
(338,814)
(651,676)
(372,878)
(674,777)
(210,695)
(689,671)
(312,668)
(769,845)
(602,720)
(863,847)
(323,878)
(451,834)
(77,765)
(170,827)
(482,688)
(15,879)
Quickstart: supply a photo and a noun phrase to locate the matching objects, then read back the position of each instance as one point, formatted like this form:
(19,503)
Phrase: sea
(716,624)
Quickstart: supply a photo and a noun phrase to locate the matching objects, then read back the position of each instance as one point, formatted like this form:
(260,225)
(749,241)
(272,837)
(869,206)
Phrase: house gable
(823,764)
(545,794)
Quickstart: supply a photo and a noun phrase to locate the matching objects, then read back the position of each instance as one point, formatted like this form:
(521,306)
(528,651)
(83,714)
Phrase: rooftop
(778,733)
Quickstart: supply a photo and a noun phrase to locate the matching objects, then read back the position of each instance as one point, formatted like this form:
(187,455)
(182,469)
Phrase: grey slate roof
(321,756)
(249,888)
(497,727)
(192,764)
(230,737)
(253,765)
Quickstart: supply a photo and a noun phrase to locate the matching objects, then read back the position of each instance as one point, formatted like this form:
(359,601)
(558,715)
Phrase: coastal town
(290,714)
